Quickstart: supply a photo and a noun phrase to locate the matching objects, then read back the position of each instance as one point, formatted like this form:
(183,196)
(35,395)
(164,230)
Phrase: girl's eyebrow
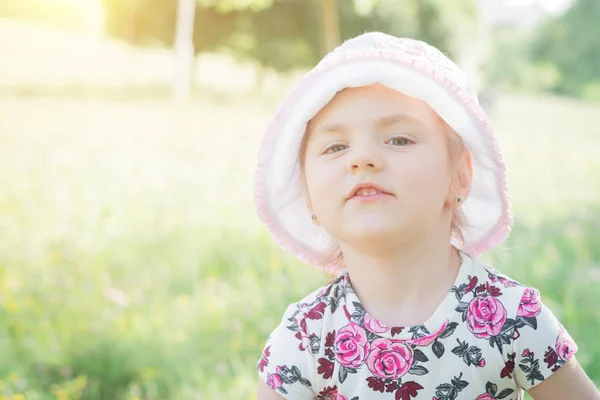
(380,122)
(339,128)
(392,119)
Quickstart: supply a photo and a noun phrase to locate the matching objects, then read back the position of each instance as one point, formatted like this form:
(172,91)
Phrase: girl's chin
(373,232)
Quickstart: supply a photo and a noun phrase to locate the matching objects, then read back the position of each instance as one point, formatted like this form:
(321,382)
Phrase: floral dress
(490,338)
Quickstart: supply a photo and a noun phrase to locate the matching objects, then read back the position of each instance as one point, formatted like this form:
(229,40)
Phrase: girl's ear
(311,211)
(462,179)
(308,202)
(307,198)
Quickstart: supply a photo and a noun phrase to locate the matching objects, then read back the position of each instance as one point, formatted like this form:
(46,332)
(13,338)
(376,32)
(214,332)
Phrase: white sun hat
(408,66)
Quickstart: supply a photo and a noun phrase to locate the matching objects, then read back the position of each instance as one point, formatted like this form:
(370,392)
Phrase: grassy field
(132,265)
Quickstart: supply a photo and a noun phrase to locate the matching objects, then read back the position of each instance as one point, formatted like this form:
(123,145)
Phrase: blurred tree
(572,44)
(153,21)
(79,15)
(224,6)
(511,67)
(289,34)
(296,34)
(446,24)
(281,37)
(331,24)
(184,50)
(141,21)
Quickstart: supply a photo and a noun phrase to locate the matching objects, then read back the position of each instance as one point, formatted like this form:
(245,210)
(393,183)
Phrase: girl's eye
(399,141)
(334,149)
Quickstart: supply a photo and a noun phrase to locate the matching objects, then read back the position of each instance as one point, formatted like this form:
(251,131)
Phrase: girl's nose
(364,159)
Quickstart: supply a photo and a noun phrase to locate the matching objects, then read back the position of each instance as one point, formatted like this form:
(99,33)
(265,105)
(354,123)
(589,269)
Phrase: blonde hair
(456,149)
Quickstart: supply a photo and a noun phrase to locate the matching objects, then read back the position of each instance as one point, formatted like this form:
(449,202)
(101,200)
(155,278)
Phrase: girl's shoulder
(520,302)
(326,294)
(537,343)
(496,276)
(486,278)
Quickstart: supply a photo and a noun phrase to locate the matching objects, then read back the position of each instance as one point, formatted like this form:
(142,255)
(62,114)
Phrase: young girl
(382,168)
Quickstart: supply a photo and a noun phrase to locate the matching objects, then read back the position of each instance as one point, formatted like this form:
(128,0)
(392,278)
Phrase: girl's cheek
(316,182)
(320,170)
(321,185)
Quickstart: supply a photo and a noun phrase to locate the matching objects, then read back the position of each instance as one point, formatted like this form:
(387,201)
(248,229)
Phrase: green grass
(132,265)
(132,257)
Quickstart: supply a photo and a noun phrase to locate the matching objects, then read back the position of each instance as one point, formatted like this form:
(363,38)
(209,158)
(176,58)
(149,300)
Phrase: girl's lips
(371,197)
(365,187)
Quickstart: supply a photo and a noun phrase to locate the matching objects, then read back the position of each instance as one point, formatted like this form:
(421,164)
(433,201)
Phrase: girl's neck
(404,286)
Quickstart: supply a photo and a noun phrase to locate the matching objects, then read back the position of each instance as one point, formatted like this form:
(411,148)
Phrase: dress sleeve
(286,364)
(542,344)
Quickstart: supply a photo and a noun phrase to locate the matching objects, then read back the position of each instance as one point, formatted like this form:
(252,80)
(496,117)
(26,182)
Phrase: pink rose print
(302,333)
(472,283)
(317,311)
(482,362)
(507,283)
(325,368)
(525,353)
(484,396)
(351,345)
(509,366)
(346,312)
(375,326)
(550,357)
(274,381)
(328,393)
(322,292)
(264,359)
(485,316)
(389,359)
(530,305)
(427,340)
(341,397)
(565,345)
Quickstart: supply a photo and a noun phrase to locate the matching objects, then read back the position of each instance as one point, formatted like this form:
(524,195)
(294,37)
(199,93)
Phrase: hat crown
(416,49)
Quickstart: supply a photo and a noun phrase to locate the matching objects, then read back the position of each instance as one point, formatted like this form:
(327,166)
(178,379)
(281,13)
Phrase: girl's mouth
(367,192)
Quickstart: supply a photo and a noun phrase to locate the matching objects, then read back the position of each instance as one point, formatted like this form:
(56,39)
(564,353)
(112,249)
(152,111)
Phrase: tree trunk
(331,25)
(184,50)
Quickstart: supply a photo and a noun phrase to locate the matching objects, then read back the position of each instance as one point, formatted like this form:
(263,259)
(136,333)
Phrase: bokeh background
(132,265)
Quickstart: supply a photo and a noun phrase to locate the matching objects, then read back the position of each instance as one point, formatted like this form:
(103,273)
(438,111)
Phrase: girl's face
(396,147)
